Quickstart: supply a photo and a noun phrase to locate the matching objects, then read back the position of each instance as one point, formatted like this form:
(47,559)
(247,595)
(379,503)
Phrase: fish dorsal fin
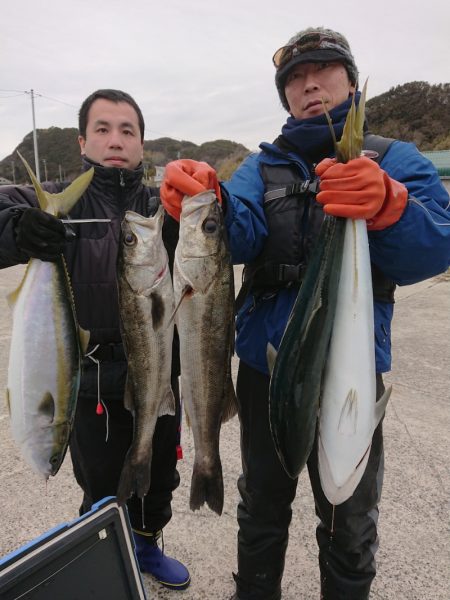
(271,354)
(47,407)
(61,203)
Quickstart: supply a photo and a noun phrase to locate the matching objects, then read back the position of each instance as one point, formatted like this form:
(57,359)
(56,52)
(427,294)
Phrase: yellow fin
(351,142)
(61,203)
(41,195)
(84,336)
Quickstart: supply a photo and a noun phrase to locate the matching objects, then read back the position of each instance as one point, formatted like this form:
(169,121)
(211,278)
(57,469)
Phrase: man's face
(113,137)
(310,83)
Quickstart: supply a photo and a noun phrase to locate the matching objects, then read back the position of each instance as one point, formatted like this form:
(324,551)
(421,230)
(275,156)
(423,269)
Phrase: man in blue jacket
(273,215)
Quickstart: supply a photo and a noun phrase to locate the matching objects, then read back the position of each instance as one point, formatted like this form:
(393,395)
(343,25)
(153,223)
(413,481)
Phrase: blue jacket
(413,249)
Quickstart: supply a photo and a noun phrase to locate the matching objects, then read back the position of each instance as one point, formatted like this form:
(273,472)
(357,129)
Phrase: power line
(55,100)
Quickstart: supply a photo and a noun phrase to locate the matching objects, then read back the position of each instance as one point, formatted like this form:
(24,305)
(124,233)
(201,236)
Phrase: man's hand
(186,178)
(360,189)
(40,235)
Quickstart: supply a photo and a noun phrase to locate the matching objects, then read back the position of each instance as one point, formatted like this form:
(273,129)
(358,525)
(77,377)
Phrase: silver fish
(146,304)
(204,293)
(47,346)
(349,412)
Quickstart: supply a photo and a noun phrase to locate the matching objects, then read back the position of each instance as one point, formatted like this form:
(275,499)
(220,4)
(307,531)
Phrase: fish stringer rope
(101,406)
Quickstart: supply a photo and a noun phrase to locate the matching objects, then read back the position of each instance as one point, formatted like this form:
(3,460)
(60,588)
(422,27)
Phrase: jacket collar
(114,178)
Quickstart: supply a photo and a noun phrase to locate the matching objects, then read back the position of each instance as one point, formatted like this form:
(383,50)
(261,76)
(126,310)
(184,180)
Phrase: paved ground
(414,553)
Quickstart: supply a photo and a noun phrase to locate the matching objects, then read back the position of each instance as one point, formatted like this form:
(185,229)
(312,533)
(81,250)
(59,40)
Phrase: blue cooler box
(90,558)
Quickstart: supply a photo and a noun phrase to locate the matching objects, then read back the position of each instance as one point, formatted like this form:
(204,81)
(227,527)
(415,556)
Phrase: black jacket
(91,257)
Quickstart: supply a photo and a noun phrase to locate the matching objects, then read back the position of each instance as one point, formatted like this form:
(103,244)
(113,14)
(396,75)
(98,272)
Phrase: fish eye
(54,460)
(209,226)
(129,239)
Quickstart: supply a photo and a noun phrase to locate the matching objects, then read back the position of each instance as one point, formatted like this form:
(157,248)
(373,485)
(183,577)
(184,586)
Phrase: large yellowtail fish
(349,411)
(46,350)
(204,293)
(146,305)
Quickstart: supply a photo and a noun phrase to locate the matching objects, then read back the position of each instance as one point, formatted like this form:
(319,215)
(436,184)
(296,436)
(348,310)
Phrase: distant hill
(416,112)
(61,152)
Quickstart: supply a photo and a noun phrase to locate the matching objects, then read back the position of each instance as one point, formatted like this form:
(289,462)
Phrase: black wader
(97,461)
(346,555)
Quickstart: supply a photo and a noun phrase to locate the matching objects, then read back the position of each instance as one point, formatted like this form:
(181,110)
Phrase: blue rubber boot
(167,571)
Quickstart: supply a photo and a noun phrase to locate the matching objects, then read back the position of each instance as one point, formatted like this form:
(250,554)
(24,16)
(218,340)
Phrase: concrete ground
(414,552)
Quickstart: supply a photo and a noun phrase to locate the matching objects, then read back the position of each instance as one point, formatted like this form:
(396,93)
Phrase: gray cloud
(200,70)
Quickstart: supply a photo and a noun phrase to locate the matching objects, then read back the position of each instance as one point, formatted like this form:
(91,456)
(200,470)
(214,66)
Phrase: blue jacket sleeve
(418,245)
(245,220)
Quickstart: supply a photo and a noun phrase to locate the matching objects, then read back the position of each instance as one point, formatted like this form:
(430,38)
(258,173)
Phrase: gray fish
(204,293)
(146,305)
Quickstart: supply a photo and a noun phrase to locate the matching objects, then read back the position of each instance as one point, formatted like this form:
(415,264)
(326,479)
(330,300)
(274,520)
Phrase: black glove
(40,235)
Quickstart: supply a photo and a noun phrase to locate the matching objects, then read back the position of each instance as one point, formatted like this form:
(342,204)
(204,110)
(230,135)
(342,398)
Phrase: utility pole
(44,160)
(60,172)
(13,165)
(36,153)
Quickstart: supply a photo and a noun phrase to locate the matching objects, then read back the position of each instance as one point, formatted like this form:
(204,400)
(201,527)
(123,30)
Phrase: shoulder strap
(378,144)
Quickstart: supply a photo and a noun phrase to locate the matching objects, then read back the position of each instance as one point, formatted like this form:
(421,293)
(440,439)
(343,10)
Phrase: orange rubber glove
(360,189)
(186,177)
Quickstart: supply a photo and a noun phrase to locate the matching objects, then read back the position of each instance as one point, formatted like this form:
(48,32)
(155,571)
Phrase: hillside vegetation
(414,112)
(417,112)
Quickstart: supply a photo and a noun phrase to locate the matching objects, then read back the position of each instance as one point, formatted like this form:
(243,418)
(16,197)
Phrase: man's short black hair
(112,96)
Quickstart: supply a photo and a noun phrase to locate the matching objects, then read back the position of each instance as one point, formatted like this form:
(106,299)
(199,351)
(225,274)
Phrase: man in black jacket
(111,137)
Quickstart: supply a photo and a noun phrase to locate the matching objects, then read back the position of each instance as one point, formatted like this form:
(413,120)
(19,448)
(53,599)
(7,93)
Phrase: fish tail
(134,479)
(207,486)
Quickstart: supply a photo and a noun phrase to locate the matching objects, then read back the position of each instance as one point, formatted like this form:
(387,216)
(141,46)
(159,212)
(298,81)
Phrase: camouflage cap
(315,44)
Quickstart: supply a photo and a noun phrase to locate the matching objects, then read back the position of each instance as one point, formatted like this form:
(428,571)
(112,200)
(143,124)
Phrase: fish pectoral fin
(187,291)
(380,406)
(349,414)
(83,336)
(167,406)
(271,354)
(47,407)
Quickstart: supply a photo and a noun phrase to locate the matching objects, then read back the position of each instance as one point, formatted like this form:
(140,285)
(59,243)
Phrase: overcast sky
(200,69)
